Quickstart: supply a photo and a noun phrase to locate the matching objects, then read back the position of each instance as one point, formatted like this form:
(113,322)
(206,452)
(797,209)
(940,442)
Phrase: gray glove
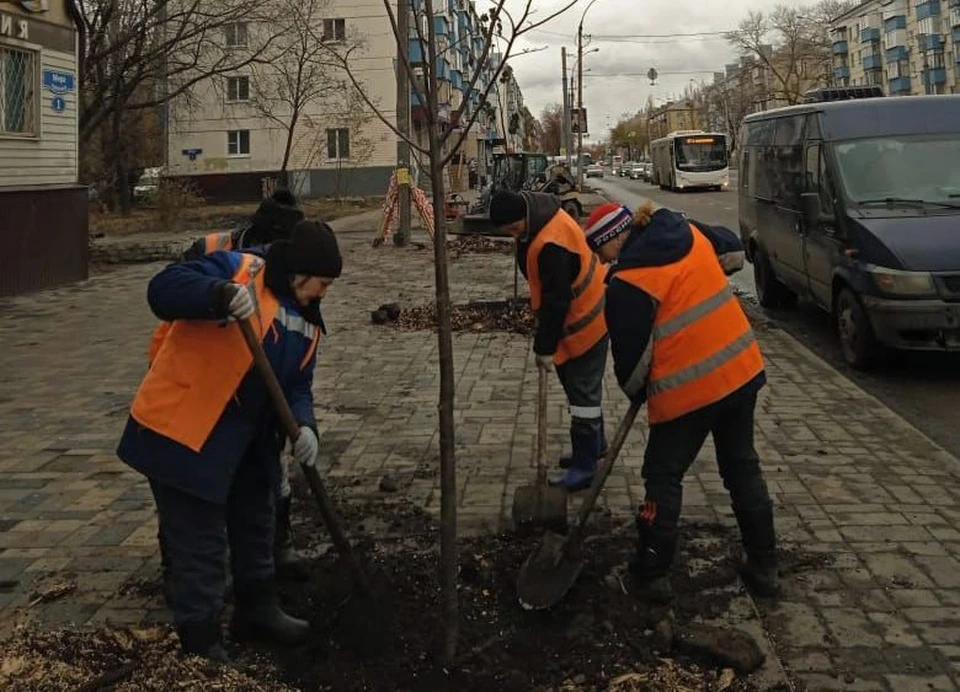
(306,447)
(545,363)
(241,306)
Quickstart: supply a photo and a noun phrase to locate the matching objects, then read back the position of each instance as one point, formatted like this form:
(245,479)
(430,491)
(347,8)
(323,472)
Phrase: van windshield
(919,168)
(701,153)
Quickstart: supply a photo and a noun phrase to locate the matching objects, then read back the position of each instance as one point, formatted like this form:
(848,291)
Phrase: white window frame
(238,79)
(235,26)
(336,156)
(239,137)
(36,58)
(334,23)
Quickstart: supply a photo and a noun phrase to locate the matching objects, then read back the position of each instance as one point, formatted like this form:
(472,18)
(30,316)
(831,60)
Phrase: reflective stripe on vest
(218,241)
(702,347)
(293,322)
(585,324)
(199,367)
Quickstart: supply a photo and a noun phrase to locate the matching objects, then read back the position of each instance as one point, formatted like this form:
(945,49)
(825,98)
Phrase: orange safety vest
(702,347)
(585,324)
(211,243)
(199,367)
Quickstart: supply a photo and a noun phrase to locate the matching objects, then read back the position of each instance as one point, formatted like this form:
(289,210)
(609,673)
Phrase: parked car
(637,170)
(855,204)
(627,167)
(594,171)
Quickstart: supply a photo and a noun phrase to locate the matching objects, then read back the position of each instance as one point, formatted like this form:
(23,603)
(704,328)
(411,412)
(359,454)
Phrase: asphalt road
(924,388)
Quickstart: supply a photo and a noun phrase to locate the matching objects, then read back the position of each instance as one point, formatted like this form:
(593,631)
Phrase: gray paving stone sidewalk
(866,506)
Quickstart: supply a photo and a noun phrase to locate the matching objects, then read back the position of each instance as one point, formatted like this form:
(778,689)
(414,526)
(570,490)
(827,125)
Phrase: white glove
(241,306)
(545,363)
(306,447)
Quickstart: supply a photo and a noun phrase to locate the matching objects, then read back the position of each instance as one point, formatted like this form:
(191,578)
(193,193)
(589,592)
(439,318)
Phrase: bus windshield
(920,168)
(701,153)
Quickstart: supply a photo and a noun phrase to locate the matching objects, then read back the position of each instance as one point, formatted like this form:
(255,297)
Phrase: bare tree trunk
(448,464)
(289,145)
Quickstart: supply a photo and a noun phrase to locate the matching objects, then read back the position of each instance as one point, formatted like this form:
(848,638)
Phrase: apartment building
(673,116)
(908,47)
(225,143)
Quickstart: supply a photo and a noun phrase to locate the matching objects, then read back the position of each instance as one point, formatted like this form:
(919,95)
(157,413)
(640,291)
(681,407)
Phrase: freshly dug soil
(601,633)
(490,316)
(479,245)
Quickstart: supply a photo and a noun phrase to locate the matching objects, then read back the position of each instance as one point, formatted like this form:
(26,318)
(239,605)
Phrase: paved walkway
(853,482)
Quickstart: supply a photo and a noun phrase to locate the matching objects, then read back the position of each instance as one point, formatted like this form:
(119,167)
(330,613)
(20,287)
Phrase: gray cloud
(608,93)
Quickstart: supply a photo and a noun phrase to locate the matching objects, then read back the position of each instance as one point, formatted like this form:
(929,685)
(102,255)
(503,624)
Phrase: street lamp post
(580,95)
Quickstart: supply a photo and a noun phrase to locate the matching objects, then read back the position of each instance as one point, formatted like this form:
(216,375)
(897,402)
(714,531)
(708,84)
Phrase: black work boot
(257,617)
(203,639)
(650,566)
(759,571)
(289,565)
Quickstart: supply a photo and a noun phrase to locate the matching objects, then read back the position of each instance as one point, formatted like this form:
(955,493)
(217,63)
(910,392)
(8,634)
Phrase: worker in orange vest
(682,343)
(203,430)
(274,219)
(566,292)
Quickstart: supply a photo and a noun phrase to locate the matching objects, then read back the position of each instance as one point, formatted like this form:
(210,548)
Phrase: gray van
(855,205)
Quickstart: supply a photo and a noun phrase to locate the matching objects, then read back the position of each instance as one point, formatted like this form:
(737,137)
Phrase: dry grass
(207,218)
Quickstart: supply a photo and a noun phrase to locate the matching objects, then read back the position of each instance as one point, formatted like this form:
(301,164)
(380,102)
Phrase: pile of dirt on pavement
(602,637)
(479,245)
(121,659)
(487,316)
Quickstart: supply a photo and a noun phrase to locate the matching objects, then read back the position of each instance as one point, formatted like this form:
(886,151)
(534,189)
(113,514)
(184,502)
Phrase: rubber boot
(563,461)
(759,571)
(203,639)
(650,566)
(289,565)
(583,465)
(257,617)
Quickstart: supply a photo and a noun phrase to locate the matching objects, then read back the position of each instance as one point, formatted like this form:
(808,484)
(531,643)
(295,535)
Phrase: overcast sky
(608,91)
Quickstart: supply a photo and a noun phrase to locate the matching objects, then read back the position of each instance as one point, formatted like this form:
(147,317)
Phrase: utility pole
(402,235)
(565,137)
(580,118)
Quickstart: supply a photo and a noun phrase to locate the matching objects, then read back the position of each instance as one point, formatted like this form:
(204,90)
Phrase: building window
(335,30)
(338,144)
(238,143)
(238,88)
(18,92)
(236,34)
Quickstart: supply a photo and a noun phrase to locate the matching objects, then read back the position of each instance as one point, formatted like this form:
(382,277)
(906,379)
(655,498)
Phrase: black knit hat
(313,250)
(276,217)
(507,207)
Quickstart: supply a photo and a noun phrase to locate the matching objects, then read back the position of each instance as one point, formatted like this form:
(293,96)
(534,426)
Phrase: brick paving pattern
(853,482)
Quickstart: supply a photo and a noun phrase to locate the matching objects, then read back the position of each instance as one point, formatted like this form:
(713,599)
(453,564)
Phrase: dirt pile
(485,316)
(479,245)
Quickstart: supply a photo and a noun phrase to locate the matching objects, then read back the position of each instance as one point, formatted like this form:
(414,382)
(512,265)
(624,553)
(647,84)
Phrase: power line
(607,37)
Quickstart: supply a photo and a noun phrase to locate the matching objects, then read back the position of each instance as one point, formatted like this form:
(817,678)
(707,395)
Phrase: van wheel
(859,344)
(771,293)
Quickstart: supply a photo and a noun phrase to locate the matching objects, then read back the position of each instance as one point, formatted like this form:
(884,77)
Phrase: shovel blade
(548,573)
(540,505)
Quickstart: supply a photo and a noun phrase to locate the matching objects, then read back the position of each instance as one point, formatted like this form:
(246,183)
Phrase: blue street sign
(58,82)
(58,104)
(192,154)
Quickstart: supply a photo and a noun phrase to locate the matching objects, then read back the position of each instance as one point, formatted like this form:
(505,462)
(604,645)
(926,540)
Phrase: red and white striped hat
(606,223)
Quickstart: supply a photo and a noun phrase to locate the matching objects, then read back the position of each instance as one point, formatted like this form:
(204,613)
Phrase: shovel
(552,568)
(540,504)
(372,633)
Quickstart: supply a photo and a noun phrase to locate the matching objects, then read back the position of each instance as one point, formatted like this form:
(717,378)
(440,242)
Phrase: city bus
(690,159)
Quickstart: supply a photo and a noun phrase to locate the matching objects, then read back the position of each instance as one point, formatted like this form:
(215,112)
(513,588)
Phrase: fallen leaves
(500,316)
(669,675)
(52,591)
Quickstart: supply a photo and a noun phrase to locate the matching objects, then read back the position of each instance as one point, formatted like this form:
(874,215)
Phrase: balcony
(870,35)
(441,26)
(929,8)
(955,16)
(935,75)
(900,85)
(930,42)
(840,48)
(416,52)
(841,73)
(897,53)
(894,23)
(872,62)
(956,39)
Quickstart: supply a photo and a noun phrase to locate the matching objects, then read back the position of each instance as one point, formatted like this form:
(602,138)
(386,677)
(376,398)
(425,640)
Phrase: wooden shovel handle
(292,429)
(542,428)
(573,539)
